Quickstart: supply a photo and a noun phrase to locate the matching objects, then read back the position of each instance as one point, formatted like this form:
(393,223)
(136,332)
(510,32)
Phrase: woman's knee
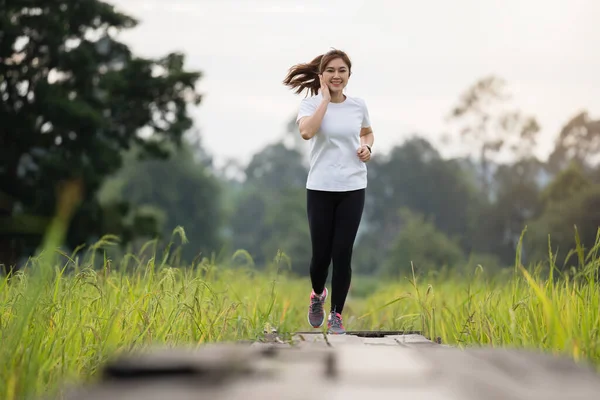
(321,259)
(342,257)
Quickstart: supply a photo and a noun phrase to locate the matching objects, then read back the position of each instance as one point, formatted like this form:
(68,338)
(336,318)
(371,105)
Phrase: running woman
(338,129)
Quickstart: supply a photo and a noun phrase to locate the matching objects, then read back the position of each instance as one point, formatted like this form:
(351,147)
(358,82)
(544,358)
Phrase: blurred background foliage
(77,104)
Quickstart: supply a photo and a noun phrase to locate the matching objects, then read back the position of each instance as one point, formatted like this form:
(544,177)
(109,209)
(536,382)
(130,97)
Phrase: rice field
(60,319)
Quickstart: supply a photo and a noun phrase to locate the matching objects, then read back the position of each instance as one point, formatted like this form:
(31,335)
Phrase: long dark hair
(305,76)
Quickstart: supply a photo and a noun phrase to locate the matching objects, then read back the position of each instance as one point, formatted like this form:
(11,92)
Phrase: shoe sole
(324,313)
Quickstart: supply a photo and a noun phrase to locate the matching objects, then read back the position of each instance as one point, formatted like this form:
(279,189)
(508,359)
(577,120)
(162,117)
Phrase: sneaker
(335,326)
(316,311)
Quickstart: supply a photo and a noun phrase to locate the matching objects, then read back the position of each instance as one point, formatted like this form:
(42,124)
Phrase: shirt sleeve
(366,122)
(307,108)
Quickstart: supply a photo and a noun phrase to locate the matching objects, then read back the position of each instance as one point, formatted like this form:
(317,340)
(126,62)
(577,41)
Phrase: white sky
(412,60)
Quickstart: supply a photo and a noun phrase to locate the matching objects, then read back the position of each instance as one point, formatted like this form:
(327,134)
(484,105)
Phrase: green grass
(60,324)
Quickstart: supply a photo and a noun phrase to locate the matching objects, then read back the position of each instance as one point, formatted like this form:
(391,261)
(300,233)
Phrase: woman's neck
(337,97)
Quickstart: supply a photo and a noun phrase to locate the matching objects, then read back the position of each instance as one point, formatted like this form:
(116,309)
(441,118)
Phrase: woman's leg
(320,208)
(347,220)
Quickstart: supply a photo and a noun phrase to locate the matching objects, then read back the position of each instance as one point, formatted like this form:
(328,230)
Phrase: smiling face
(336,73)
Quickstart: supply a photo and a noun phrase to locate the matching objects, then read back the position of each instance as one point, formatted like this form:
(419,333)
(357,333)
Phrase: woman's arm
(366,132)
(366,142)
(309,125)
(366,136)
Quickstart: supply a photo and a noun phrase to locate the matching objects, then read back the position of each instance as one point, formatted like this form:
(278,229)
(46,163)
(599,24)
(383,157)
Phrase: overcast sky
(411,59)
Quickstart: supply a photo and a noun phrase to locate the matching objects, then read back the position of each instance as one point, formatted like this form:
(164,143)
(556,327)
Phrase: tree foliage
(422,246)
(578,142)
(149,198)
(414,176)
(270,214)
(570,208)
(491,126)
(79,106)
(73,99)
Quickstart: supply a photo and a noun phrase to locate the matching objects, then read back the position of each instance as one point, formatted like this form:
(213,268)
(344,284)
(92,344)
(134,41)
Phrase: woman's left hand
(363,153)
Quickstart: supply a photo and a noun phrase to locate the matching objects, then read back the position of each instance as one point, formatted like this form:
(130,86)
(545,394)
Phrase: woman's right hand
(324,89)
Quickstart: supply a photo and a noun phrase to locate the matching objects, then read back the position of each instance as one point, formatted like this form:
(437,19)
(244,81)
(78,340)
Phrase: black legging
(333,219)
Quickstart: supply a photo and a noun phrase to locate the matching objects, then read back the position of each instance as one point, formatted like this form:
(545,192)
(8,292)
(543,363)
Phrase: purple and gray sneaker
(316,310)
(335,325)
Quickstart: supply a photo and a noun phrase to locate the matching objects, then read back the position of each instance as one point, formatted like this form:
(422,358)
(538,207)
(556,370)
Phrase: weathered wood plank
(304,339)
(313,337)
(413,340)
(317,338)
(380,341)
(372,366)
(377,333)
(268,344)
(344,340)
(224,372)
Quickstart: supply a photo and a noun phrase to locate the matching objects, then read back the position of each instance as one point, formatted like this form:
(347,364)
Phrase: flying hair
(305,76)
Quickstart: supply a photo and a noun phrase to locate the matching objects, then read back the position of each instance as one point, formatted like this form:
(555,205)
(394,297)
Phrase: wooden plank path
(358,365)
(410,339)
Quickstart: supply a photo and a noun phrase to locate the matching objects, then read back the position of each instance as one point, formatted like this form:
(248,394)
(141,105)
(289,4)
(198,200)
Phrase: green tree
(270,213)
(492,128)
(287,230)
(570,203)
(578,141)
(163,194)
(421,243)
(516,201)
(568,183)
(276,167)
(247,222)
(73,98)
(415,176)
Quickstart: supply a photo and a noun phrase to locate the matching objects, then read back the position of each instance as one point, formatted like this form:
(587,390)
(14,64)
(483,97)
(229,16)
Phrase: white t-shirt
(334,164)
